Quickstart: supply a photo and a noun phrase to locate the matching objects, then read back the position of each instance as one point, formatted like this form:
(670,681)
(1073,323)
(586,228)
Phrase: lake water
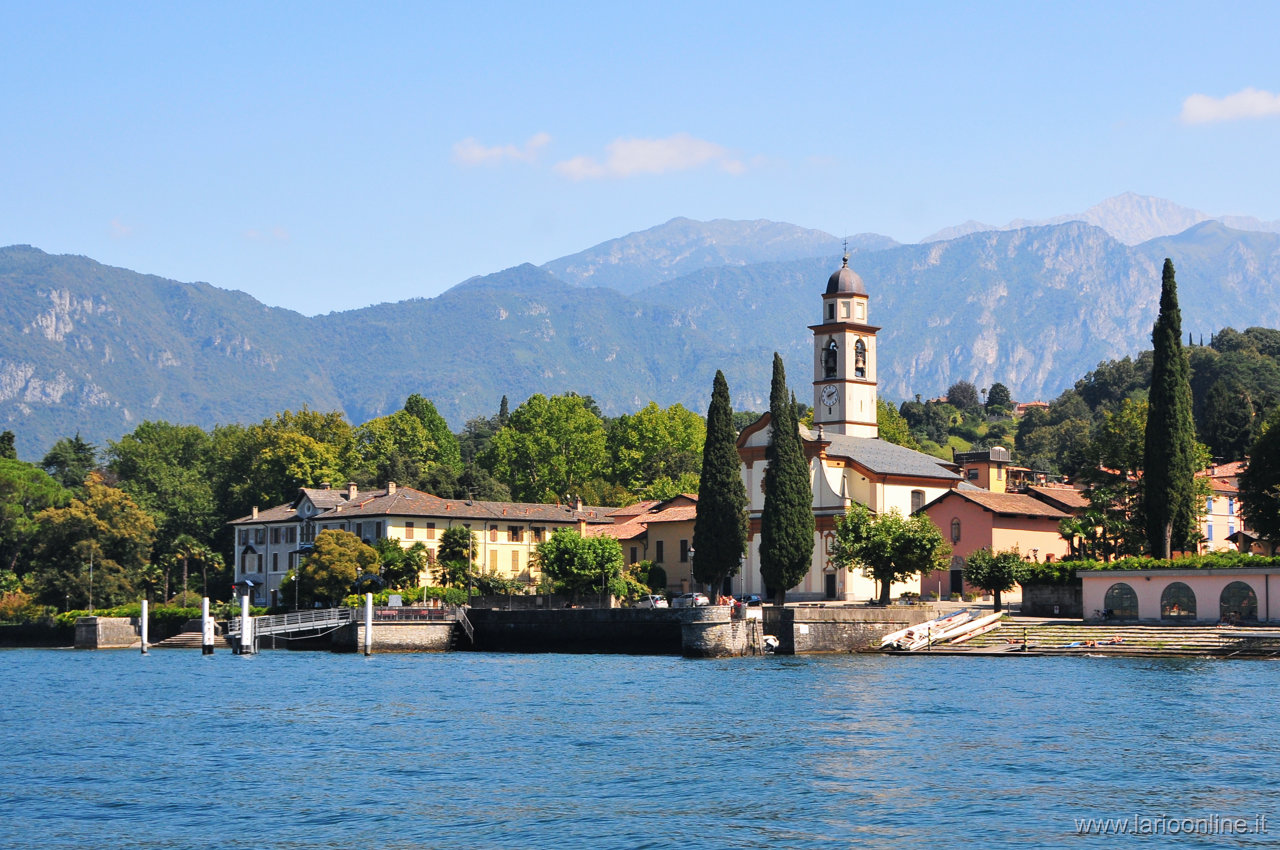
(309,749)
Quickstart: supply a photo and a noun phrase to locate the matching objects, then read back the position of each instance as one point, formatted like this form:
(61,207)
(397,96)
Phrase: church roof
(844,280)
(883,457)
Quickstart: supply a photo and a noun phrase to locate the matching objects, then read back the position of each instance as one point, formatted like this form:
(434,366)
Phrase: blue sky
(328,156)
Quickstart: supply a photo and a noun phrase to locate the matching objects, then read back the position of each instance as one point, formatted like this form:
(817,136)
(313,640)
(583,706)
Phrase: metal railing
(298,621)
(461,614)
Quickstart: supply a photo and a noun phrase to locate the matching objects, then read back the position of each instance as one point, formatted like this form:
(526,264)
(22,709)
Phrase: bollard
(368,624)
(247,637)
(206,628)
(144,627)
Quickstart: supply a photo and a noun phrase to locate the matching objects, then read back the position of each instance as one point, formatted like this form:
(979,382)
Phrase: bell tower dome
(844,358)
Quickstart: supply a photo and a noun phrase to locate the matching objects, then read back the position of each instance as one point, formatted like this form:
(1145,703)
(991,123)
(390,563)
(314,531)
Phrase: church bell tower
(844,359)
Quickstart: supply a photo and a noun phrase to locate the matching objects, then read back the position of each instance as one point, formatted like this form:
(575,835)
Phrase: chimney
(255,511)
(324,485)
(391,488)
(351,491)
(577,503)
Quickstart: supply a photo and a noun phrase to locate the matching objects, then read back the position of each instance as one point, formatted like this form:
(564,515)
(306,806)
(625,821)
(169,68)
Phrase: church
(848,462)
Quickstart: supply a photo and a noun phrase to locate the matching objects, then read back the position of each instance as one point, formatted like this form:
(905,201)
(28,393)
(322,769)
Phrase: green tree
(580,566)
(399,567)
(455,556)
(1169,460)
(893,426)
(786,523)
(25,491)
(447,451)
(8,451)
(1230,421)
(104,526)
(998,399)
(328,573)
(70,461)
(995,573)
(654,444)
(549,449)
(963,395)
(889,547)
(720,525)
(1260,482)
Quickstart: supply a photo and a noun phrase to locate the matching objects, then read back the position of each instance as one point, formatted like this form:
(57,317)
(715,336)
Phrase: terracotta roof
(1005,504)
(1068,498)
(619,514)
(628,530)
(676,513)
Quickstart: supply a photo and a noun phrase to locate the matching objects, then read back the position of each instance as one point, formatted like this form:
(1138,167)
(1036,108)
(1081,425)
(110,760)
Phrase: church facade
(848,462)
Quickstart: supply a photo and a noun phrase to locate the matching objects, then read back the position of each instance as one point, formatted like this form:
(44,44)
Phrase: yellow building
(661,532)
(269,543)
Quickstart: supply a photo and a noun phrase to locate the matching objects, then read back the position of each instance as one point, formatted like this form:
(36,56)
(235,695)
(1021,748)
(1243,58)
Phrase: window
(259,536)
(635,552)
(1121,603)
(844,309)
(829,360)
(684,551)
(917,500)
(515,562)
(1208,531)
(831,311)
(493,534)
(360,530)
(859,359)
(291,534)
(244,536)
(377,531)
(275,562)
(1178,602)
(539,533)
(275,535)
(1231,505)
(972,473)
(955,530)
(408,531)
(515,534)
(999,473)
(1238,602)
(431,531)
(1208,505)
(657,552)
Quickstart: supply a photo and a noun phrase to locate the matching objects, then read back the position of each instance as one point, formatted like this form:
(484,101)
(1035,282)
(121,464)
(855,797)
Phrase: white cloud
(275,234)
(1248,103)
(471,152)
(120,230)
(628,157)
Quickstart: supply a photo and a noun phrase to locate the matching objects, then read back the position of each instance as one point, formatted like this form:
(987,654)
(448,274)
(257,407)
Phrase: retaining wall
(1039,600)
(627,631)
(108,633)
(395,636)
(818,629)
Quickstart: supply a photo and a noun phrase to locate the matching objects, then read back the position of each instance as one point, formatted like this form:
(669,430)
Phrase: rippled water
(301,749)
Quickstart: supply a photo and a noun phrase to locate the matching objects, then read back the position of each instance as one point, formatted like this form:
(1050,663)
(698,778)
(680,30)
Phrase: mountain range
(93,349)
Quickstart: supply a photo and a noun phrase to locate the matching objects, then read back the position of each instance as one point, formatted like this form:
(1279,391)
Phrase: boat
(914,637)
(981,626)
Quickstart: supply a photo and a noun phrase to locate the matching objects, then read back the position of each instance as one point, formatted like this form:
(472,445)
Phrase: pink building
(1181,596)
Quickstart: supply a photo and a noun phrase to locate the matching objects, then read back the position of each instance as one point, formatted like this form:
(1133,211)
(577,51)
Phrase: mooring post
(206,628)
(144,627)
(368,623)
(247,637)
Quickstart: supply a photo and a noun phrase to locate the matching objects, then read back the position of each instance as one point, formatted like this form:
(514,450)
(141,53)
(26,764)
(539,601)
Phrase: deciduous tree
(889,547)
(549,448)
(995,573)
(580,565)
(328,573)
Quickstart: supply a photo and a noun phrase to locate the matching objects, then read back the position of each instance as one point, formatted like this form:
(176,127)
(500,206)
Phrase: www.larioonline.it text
(1169,825)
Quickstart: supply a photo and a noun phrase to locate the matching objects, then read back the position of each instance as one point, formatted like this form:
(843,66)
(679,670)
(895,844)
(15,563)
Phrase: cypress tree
(1169,461)
(720,526)
(786,523)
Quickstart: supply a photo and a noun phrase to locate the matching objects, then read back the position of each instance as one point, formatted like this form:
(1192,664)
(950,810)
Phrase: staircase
(1138,638)
(190,640)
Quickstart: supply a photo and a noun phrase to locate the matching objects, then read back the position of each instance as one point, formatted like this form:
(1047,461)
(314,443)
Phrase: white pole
(206,628)
(246,627)
(144,627)
(368,623)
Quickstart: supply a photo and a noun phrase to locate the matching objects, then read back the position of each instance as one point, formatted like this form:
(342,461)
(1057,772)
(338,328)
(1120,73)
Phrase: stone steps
(190,640)
(1051,635)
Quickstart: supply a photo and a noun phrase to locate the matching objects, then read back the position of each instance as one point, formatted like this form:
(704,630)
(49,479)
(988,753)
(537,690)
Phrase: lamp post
(467,526)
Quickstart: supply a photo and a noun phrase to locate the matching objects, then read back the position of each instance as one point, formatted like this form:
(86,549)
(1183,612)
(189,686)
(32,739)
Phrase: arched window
(917,500)
(859,359)
(1121,603)
(955,530)
(829,360)
(1238,602)
(1178,602)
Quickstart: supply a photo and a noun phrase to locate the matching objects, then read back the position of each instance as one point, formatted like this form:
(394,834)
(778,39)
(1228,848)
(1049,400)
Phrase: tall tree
(998,399)
(8,451)
(964,395)
(330,571)
(720,525)
(447,451)
(654,444)
(1170,457)
(549,449)
(890,547)
(786,523)
(1260,482)
(70,461)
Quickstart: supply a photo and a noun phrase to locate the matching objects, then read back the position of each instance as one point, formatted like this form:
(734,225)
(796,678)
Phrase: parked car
(690,600)
(751,599)
(653,600)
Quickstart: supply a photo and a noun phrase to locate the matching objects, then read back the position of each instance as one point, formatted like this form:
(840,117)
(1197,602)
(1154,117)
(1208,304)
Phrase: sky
(328,156)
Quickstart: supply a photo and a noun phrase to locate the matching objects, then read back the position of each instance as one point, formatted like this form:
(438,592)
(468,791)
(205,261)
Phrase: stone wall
(628,631)
(108,633)
(712,632)
(394,636)
(1039,600)
(816,629)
